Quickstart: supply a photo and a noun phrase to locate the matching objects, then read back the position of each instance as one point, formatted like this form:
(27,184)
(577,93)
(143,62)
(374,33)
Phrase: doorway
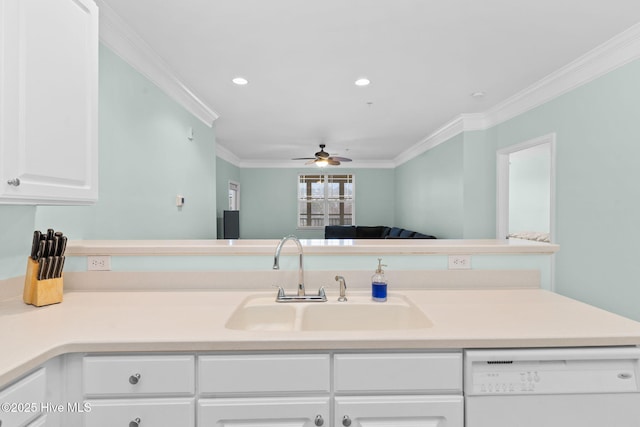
(526,190)
(234,196)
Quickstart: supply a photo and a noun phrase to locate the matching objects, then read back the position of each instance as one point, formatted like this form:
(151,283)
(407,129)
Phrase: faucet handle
(280,291)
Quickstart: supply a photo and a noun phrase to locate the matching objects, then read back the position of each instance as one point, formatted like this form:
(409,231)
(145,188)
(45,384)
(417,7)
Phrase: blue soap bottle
(379,284)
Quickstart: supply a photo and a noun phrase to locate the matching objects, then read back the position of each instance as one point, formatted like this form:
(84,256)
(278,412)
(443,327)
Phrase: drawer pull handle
(319,421)
(133,379)
(135,423)
(16,183)
(346,421)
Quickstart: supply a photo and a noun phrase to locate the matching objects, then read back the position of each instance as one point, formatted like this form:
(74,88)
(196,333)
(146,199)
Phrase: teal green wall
(268,201)
(597,186)
(429,191)
(16,231)
(145,160)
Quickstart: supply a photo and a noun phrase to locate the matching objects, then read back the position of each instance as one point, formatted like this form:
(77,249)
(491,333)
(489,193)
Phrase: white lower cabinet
(365,389)
(426,389)
(399,411)
(411,389)
(22,401)
(265,412)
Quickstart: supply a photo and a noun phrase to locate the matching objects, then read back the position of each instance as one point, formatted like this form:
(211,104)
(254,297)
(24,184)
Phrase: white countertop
(311,246)
(195,321)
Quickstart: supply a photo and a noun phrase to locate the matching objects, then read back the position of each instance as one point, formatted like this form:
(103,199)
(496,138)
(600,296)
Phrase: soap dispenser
(379,284)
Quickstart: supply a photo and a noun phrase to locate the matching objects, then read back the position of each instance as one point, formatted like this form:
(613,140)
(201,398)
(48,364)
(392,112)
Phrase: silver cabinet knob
(135,423)
(133,379)
(319,421)
(15,182)
(346,421)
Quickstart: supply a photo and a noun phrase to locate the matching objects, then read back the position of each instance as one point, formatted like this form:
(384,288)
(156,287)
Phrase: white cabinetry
(22,400)
(155,390)
(48,101)
(276,390)
(369,389)
(398,389)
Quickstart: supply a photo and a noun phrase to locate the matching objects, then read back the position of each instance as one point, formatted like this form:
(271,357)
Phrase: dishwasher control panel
(551,371)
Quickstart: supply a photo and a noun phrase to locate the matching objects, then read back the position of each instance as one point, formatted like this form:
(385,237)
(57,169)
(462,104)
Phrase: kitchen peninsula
(170,303)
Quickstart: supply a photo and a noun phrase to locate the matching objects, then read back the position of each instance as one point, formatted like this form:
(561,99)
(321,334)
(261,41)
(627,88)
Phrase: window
(325,199)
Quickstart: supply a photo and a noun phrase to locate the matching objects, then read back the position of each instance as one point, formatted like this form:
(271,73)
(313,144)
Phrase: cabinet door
(399,411)
(264,412)
(22,401)
(140,413)
(48,101)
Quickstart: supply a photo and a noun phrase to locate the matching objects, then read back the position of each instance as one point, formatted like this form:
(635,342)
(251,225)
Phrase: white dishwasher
(566,387)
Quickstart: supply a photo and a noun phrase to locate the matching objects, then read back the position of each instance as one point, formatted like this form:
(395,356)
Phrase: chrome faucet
(343,288)
(301,295)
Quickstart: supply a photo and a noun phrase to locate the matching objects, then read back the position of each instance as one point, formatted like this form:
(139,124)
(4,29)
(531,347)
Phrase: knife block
(40,292)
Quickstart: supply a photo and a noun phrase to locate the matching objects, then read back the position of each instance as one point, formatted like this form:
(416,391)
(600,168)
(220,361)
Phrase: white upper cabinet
(48,101)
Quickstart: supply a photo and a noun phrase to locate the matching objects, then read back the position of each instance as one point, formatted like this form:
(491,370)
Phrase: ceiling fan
(322,158)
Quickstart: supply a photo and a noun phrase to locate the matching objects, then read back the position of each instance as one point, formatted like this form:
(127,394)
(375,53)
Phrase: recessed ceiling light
(362,82)
(240,81)
(478,94)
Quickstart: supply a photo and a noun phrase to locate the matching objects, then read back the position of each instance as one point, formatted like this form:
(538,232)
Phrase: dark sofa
(371,232)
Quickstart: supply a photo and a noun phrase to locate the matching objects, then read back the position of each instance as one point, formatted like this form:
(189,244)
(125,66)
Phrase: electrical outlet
(99,263)
(459,262)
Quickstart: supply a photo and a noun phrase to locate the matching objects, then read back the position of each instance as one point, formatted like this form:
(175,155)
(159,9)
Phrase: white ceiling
(301,57)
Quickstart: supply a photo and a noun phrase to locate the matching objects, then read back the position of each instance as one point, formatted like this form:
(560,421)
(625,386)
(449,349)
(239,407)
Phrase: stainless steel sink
(359,313)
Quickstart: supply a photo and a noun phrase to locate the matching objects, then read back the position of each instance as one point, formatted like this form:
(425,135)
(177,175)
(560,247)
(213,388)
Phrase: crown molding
(610,55)
(614,53)
(122,40)
(226,155)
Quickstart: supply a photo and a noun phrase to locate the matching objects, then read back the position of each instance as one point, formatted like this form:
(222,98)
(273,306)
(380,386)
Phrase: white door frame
(234,186)
(502,161)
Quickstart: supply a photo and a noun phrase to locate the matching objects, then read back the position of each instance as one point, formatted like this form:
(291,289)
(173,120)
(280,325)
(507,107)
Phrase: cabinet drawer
(140,412)
(409,372)
(231,374)
(138,375)
(23,399)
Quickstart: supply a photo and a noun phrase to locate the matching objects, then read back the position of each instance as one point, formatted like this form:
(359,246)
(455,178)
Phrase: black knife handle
(63,245)
(41,268)
(35,244)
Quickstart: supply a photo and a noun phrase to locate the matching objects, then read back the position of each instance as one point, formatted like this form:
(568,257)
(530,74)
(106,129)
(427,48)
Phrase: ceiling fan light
(321,163)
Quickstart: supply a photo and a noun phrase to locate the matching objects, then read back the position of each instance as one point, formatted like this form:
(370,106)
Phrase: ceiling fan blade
(310,161)
(304,158)
(332,161)
(341,159)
